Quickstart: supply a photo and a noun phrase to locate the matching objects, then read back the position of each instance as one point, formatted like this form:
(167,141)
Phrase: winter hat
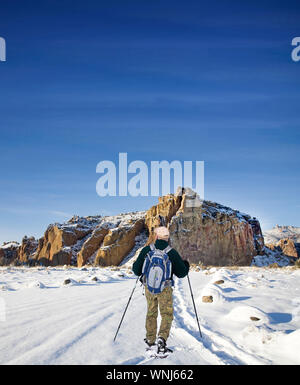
(162,232)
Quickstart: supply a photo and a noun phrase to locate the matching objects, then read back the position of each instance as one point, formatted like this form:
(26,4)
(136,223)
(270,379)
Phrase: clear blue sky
(185,80)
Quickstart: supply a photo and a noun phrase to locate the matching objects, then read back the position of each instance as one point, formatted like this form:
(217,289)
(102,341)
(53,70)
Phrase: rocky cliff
(26,249)
(202,231)
(94,239)
(100,240)
(207,232)
(162,213)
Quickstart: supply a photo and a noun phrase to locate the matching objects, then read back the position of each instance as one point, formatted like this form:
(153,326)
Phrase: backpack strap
(148,258)
(167,249)
(168,282)
(152,247)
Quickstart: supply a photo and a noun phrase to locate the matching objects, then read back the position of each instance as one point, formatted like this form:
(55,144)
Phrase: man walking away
(156,265)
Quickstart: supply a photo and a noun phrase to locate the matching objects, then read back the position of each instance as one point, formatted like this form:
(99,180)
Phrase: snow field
(254,318)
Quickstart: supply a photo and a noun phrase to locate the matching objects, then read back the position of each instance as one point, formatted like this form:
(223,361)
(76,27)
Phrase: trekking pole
(194,305)
(126,309)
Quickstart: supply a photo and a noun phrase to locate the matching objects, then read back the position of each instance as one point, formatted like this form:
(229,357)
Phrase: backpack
(157,270)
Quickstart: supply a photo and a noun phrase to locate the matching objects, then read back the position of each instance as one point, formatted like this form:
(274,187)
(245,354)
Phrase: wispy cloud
(60,213)
(24,211)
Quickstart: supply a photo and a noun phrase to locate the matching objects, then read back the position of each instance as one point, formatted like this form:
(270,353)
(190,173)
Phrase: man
(163,300)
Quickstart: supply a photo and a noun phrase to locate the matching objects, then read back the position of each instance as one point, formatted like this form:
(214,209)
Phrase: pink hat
(162,232)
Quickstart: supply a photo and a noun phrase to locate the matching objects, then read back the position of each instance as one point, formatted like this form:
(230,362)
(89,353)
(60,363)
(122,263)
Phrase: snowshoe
(161,345)
(160,349)
(149,345)
(151,349)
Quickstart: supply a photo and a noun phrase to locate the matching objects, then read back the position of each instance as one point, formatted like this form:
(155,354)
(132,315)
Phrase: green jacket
(179,267)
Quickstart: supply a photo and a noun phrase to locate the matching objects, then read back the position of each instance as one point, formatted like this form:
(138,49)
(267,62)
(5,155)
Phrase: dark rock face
(9,253)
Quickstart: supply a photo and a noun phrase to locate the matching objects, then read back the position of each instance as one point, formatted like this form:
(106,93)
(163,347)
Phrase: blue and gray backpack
(157,270)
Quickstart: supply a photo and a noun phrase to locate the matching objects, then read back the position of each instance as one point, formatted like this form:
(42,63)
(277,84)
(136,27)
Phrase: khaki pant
(164,301)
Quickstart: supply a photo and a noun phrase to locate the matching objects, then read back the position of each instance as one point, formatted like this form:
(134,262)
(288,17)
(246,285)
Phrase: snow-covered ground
(44,321)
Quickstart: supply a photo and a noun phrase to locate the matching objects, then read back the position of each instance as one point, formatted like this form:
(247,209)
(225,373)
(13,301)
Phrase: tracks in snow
(215,348)
(76,322)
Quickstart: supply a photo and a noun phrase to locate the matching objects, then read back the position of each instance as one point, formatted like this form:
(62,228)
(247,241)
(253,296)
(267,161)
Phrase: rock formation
(202,231)
(9,253)
(288,247)
(285,246)
(91,245)
(27,248)
(162,213)
(112,239)
(207,232)
(55,247)
(118,243)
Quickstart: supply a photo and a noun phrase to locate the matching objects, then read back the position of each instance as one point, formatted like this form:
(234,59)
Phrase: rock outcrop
(9,253)
(286,247)
(207,232)
(27,249)
(118,243)
(55,248)
(213,234)
(112,239)
(91,245)
(162,213)
(95,239)
(201,231)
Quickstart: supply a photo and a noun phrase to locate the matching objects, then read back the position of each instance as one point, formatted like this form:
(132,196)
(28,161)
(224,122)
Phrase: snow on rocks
(279,232)
(36,284)
(212,293)
(271,257)
(220,276)
(247,314)
(8,245)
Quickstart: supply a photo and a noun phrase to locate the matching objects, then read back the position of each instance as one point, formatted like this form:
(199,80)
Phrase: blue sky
(85,80)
